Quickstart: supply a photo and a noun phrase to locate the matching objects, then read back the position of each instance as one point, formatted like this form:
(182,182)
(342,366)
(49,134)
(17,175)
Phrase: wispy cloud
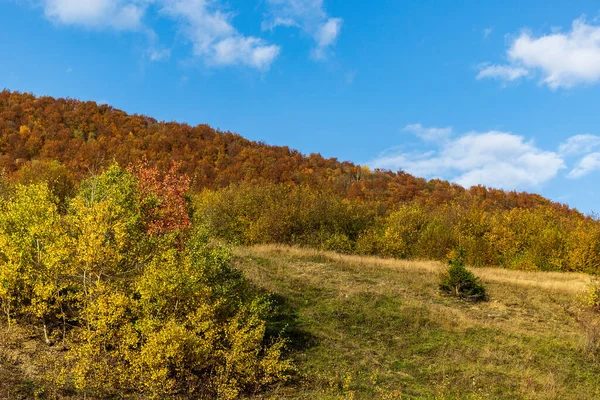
(206,24)
(158,54)
(429,134)
(562,59)
(350,77)
(203,23)
(487,32)
(117,14)
(502,72)
(588,164)
(215,39)
(494,158)
(580,144)
(326,36)
(309,16)
(586,149)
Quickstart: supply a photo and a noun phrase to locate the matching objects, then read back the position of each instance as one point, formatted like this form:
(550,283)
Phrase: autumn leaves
(137,298)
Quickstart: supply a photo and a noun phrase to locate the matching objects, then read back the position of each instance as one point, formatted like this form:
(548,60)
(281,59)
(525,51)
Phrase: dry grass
(19,350)
(569,282)
(382,330)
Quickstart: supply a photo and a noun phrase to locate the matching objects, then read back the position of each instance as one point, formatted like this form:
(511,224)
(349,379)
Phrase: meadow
(368,327)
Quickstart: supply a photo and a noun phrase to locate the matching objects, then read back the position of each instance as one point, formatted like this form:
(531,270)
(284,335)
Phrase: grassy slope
(373,328)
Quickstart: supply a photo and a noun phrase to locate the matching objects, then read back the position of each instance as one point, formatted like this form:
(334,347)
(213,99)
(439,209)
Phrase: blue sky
(502,93)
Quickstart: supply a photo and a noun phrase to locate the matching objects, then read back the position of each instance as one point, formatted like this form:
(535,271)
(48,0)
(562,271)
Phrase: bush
(278,213)
(340,243)
(591,296)
(460,282)
(142,303)
(178,332)
(402,230)
(369,243)
(436,241)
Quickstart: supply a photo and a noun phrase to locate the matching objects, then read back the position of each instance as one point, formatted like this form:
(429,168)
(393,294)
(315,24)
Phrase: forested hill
(87,137)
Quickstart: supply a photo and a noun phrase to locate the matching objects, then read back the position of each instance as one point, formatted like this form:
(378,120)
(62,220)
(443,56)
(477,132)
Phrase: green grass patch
(389,333)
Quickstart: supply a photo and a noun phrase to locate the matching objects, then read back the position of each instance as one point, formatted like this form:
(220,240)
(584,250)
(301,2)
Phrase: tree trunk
(46,333)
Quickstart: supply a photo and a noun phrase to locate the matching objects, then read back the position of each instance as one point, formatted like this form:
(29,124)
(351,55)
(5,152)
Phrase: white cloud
(117,14)
(350,77)
(278,21)
(502,72)
(159,54)
(214,38)
(579,144)
(327,36)
(248,51)
(563,59)
(207,27)
(308,15)
(487,32)
(496,159)
(586,165)
(585,146)
(429,134)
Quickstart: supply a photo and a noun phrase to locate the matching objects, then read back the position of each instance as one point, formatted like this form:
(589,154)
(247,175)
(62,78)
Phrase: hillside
(364,327)
(375,328)
(253,193)
(141,259)
(88,137)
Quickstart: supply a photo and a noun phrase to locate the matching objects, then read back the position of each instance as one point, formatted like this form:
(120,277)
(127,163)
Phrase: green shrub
(402,230)
(279,213)
(369,243)
(591,296)
(435,241)
(178,334)
(340,243)
(460,282)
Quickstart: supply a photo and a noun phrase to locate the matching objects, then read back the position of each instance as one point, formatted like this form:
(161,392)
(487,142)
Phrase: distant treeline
(87,138)
(539,238)
(248,192)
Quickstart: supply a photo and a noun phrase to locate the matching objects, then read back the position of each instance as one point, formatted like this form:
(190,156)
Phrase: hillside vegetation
(252,193)
(85,136)
(127,297)
(366,327)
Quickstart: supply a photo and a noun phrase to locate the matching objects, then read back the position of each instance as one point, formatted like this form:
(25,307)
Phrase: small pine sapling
(460,282)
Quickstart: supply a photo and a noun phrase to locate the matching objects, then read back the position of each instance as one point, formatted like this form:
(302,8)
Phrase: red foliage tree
(164,205)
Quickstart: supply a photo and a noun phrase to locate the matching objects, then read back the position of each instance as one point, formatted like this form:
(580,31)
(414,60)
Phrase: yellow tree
(34,255)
